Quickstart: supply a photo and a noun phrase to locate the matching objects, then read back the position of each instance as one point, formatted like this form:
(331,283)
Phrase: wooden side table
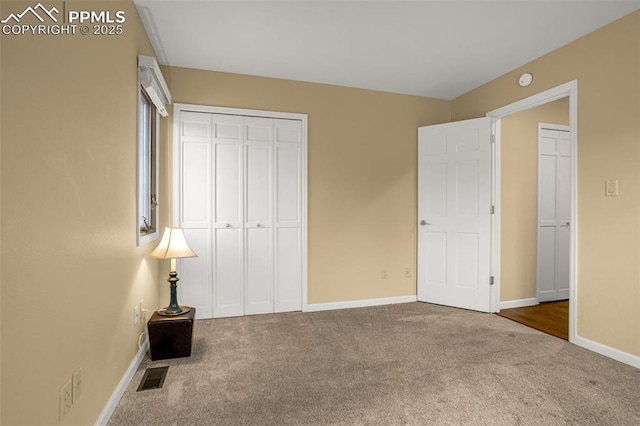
(171,336)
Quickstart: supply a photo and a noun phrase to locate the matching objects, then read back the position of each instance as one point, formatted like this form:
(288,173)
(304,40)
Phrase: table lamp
(173,246)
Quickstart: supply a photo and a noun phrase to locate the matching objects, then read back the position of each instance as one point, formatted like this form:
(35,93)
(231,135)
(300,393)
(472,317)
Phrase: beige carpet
(413,364)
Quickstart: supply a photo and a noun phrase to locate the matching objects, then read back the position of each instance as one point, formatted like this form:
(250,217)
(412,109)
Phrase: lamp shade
(173,245)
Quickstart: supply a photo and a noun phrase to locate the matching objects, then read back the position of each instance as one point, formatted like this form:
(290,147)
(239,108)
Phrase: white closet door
(288,215)
(228,219)
(195,188)
(258,140)
(240,201)
(554,209)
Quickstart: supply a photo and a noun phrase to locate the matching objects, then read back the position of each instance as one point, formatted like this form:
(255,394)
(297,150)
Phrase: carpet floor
(406,364)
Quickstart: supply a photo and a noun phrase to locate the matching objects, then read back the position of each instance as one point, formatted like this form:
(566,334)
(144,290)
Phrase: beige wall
(606,64)
(519,191)
(71,271)
(362,174)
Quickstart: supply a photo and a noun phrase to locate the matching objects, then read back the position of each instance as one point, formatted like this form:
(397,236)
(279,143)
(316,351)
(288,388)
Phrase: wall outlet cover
(76,381)
(611,188)
(65,399)
(136,314)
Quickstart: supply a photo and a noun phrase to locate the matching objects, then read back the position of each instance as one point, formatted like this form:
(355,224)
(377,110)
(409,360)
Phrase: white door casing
(454,213)
(570,90)
(554,212)
(245,176)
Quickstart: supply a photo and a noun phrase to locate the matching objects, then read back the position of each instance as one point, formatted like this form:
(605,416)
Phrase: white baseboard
(608,351)
(314,307)
(108,410)
(519,303)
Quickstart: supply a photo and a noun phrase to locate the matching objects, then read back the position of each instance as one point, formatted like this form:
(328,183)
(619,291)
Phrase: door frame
(569,89)
(175,151)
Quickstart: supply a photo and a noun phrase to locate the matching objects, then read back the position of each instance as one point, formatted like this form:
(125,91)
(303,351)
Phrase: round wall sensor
(525,79)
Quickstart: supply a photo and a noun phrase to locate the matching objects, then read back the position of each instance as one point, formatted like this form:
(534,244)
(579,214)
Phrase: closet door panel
(288,184)
(228,270)
(258,215)
(195,286)
(258,192)
(288,215)
(287,270)
(227,223)
(227,128)
(258,261)
(196,184)
(228,184)
(195,273)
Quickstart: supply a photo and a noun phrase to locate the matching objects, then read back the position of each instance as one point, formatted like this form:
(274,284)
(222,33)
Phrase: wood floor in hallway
(549,317)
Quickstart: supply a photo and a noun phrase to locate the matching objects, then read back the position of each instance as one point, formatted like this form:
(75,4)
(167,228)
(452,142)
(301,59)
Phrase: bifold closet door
(240,202)
(554,214)
(258,143)
(228,222)
(195,211)
(288,215)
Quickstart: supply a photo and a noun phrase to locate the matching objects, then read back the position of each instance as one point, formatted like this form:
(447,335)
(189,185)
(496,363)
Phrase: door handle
(567,224)
(424,222)
(228,225)
(259,226)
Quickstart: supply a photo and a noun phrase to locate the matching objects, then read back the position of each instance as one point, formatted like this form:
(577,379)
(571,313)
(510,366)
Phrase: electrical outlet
(383,274)
(65,399)
(407,272)
(136,314)
(76,381)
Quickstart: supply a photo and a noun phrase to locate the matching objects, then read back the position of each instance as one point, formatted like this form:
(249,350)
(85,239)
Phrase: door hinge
(492,138)
(492,210)
(491,281)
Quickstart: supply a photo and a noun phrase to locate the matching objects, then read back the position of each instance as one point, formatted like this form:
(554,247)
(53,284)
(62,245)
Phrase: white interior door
(554,212)
(454,202)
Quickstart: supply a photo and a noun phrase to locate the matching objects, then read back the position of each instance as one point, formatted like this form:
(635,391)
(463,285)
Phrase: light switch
(611,188)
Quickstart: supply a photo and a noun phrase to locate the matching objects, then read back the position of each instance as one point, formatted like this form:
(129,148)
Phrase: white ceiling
(440,49)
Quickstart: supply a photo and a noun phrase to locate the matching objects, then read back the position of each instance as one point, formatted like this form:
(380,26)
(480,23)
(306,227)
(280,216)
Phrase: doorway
(535,217)
(501,193)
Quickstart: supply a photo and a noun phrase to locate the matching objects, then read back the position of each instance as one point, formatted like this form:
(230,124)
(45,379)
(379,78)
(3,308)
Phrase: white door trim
(569,89)
(179,107)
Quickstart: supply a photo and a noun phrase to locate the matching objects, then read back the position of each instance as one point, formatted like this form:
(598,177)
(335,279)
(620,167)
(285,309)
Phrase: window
(147,169)
(153,95)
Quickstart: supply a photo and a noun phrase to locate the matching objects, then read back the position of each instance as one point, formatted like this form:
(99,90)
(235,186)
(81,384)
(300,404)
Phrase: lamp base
(183,310)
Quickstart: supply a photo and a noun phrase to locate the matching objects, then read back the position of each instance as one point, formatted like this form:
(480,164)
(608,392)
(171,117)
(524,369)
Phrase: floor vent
(153,378)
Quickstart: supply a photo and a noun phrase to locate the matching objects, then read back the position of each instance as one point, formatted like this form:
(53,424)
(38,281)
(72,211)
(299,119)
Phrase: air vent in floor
(153,378)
